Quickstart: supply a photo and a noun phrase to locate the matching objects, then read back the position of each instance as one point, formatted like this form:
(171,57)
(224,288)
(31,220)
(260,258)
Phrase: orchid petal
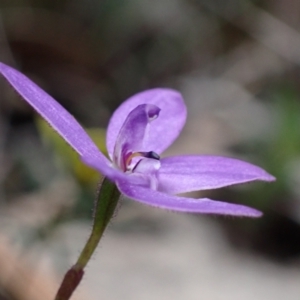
(180,174)
(133,132)
(175,203)
(169,124)
(62,121)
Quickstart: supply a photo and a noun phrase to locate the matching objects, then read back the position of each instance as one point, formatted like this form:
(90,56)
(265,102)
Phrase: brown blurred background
(236,62)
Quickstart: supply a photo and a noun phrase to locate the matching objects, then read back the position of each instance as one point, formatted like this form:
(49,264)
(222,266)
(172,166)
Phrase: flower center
(128,160)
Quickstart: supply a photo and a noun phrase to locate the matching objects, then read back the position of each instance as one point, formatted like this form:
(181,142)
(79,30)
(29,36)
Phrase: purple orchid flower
(138,132)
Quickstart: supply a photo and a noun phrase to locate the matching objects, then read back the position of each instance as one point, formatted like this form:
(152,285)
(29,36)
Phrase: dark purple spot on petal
(152,112)
(152,154)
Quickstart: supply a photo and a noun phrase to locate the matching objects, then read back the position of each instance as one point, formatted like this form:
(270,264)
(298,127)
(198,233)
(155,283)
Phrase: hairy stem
(105,205)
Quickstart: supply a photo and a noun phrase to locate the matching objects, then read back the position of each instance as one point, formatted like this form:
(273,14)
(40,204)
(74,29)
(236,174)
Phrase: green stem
(105,206)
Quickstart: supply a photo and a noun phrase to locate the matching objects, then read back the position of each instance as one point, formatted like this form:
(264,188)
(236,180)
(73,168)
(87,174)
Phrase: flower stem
(105,205)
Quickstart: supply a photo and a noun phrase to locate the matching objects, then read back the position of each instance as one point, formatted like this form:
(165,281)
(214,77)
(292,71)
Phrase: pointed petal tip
(270,177)
(248,212)
(257,214)
(264,176)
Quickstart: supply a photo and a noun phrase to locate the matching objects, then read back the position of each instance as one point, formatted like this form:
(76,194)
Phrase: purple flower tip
(138,132)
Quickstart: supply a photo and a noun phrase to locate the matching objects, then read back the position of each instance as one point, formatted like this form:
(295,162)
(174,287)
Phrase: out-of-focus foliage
(279,152)
(82,173)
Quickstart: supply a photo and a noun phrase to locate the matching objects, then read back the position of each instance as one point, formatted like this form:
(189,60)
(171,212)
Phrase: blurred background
(237,64)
